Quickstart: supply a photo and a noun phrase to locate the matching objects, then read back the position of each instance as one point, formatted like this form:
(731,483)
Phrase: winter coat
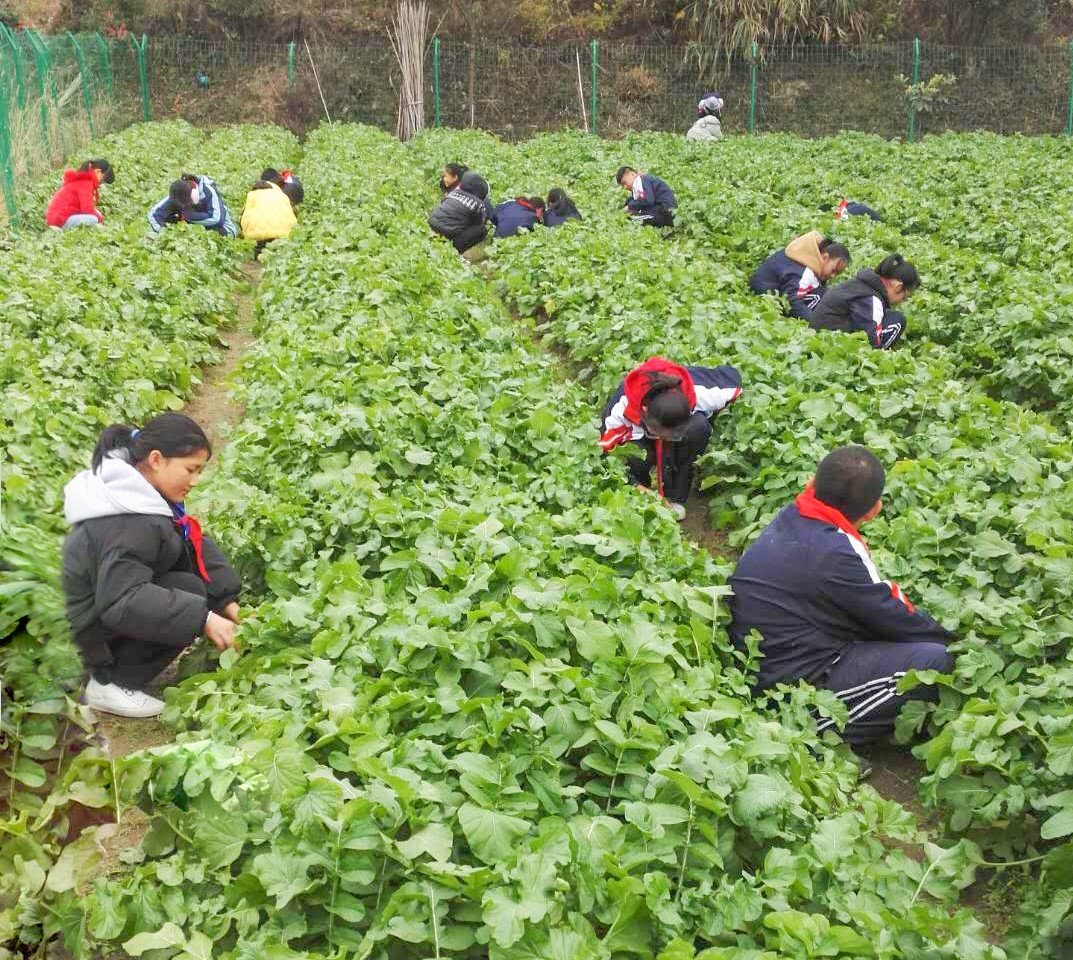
(795,273)
(79,194)
(209,212)
(706,128)
(461,208)
(857,305)
(652,195)
(268,214)
(124,536)
(809,587)
(513,216)
(850,208)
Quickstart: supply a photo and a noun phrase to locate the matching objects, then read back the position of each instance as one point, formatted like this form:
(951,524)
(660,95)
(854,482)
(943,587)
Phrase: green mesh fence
(57,92)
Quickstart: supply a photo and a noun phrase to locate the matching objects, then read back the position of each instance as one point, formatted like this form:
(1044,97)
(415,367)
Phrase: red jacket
(78,194)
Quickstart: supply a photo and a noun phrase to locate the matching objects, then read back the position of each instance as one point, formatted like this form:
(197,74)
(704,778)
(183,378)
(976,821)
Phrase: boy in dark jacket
(513,216)
(864,303)
(193,199)
(801,271)
(809,587)
(287,182)
(666,409)
(461,215)
(650,202)
(142,582)
(75,203)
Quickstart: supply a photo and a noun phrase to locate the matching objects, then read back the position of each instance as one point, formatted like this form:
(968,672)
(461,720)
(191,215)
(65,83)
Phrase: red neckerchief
(812,508)
(190,530)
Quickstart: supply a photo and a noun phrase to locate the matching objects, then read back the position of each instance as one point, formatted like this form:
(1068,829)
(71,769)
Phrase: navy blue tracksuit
(809,587)
(858,305)
(798,283)
(513,216)
(652,203)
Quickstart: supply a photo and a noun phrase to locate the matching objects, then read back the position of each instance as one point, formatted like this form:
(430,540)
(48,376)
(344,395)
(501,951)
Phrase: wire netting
(57,91)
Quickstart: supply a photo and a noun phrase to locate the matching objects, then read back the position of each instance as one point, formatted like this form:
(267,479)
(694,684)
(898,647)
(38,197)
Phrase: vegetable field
(486,705)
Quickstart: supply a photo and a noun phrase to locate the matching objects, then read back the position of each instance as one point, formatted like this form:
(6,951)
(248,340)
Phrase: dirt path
(217,411)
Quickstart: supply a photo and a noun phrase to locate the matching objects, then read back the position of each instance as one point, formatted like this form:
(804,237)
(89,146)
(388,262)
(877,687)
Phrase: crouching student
(559,208)
(865,303)
(193,199)
(809,587)
(141,581)
(851,208)
(651,201)
(74,204)
(287,182)
(513,216)
(461,215)
(801,271)
(267,215)
(666,409)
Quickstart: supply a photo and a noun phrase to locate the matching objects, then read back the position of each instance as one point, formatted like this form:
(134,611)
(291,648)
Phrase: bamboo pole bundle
(407,36)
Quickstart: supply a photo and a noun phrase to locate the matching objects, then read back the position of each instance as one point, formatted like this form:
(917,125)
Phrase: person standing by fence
(707,126)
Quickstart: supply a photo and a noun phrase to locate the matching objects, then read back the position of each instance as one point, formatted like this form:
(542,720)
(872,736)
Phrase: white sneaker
(678,510)
(111,698)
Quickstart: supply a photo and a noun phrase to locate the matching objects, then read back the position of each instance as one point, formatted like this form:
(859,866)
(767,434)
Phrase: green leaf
(283,876)
(435,839)
(491,835)
(221,837)
(168,935)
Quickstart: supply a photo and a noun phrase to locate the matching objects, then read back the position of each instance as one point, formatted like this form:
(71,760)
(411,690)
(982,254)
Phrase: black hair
(173,434)
(665,402)
(850,479)
(181,189)
(621,172)
(896,267)
(835,250)
(457,170)
(272,175)
(561,203)
(536,202)
(107,173)
(262,185)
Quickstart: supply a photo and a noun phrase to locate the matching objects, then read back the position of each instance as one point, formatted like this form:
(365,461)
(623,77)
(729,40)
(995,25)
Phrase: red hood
(81,176)
(528,205)
(638,383)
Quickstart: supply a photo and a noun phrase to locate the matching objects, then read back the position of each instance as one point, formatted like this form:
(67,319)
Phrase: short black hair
(181,190)
(271,175)
(850,479)
(622,171)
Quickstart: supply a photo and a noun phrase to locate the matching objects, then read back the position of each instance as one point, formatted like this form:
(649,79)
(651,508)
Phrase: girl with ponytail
(666,410)
(142,581)
(865,303)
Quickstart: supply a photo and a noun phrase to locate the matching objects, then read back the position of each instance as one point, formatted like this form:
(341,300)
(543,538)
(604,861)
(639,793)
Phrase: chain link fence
(58,92)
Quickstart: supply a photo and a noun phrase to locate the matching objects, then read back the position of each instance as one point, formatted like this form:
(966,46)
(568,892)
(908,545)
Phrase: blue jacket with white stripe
(857,305)
(209,212)
(799,284)
(809,587)
(656,195)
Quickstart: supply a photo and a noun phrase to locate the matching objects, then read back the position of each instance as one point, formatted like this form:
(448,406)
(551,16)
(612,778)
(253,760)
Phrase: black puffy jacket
(462,208)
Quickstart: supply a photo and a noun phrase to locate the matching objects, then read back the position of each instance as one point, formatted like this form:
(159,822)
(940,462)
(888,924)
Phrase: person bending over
(809,587)
(521,213)
(801,271)
(559,208)
(193,199)
(650,202)
(865,303)
(666,410)
(74,204)
(461,215)
(141,581)
(268,214)
(287,182)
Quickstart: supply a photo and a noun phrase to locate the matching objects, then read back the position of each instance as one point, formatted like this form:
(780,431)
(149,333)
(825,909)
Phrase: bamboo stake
(581,93)
(316,78)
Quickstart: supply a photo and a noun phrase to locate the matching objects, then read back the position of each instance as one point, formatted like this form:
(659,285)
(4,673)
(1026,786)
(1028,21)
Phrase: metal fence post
(87,90)
(753,70)
(595,92)
(437,115)
(913,91)
(290,63)
(16,57)
(7,163)
(104,57)
(1069,112)
(142,49)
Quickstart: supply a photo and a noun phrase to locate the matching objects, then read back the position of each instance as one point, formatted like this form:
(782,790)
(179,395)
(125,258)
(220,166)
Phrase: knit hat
(710,103)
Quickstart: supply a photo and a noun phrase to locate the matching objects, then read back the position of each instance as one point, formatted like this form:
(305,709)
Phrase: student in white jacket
(707,126)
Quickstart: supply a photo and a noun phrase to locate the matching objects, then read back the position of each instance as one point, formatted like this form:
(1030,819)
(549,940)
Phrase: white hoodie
(116,488)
